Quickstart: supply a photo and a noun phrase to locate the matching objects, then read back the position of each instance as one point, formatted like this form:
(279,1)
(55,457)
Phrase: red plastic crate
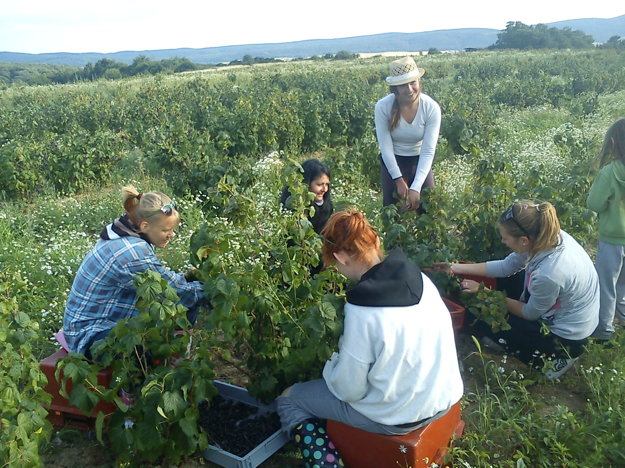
(457,313)
(61,413)
(418,449)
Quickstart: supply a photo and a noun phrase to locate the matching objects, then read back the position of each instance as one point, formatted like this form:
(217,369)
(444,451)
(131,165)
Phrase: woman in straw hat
(407,123)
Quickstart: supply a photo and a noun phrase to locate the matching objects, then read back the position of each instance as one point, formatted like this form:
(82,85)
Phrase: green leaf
(99,424)
(161,412)
(189,426)
(327,311)
(83,399)
(22,319)
(173,403)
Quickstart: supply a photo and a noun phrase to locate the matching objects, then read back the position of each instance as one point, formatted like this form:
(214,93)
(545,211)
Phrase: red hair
(349,231)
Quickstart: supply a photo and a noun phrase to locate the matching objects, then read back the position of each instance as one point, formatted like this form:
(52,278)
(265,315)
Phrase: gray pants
(610,266)
(313,399)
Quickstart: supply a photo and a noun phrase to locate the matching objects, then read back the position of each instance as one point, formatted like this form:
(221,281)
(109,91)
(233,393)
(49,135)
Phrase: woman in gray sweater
(561,288)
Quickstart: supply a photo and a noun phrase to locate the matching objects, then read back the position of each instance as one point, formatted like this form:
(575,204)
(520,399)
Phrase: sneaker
(488,342)
(129,423)
(560,366)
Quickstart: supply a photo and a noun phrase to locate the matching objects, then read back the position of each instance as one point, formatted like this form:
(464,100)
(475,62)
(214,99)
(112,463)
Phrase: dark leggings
(526,338)
(408,168)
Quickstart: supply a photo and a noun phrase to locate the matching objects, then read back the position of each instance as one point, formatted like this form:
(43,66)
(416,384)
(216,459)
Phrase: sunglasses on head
(165,209)
(509,215)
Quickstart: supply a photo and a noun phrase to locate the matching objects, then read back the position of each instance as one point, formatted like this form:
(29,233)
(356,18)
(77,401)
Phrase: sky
(37,26)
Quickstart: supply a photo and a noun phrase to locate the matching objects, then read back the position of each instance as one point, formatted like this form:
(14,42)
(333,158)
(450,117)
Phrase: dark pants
(526,338)
(408,167)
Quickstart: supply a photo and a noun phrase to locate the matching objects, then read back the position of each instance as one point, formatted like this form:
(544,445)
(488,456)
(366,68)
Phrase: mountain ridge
(443,39)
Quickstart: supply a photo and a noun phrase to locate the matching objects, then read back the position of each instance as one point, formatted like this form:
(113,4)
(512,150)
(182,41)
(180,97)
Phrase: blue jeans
(192,314)
(313,399)
(610,266)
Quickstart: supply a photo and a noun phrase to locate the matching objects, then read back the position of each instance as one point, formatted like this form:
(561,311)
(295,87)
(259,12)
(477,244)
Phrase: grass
(515,417)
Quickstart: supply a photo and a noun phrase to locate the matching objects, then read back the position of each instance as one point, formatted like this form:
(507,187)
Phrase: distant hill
(450,39)
(444,39)
(600,29)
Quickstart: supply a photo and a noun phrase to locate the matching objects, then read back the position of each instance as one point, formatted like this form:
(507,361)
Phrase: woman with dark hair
(407,124)
(561,293)
(316,176)
(396,367)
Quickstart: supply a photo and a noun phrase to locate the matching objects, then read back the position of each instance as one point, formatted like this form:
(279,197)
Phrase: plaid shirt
(103,292)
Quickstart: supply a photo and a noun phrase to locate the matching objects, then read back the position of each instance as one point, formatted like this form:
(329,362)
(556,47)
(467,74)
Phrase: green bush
(23,424)
(163,363)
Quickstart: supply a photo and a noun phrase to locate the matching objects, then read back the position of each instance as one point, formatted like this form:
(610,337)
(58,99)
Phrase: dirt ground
(70,448)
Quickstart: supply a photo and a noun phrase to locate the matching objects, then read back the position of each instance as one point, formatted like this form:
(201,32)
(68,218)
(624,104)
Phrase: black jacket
(322,213)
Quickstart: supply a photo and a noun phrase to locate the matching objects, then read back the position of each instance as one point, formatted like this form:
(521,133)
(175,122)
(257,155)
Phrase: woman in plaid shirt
(103,292)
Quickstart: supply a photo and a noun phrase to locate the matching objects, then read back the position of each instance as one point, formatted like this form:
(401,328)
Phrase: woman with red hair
(396,368)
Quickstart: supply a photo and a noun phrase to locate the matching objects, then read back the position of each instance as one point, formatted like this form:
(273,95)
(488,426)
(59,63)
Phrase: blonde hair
(537,221)
(142,206)
(349,231)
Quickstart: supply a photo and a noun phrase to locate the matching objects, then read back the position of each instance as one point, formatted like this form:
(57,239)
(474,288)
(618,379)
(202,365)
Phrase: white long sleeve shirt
(417,138)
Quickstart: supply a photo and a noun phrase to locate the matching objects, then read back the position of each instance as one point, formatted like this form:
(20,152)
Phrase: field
(224,143)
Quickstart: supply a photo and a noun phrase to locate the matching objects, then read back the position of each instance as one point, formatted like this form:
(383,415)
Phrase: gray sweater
(563,287)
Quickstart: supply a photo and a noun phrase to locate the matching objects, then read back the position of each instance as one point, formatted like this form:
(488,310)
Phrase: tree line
(520,36)
(46,74)
(40,74)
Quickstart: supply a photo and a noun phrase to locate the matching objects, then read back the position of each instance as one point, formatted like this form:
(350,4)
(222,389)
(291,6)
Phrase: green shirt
(607,199)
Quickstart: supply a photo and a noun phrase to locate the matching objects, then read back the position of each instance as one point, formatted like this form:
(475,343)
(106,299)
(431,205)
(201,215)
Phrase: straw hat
(403,71)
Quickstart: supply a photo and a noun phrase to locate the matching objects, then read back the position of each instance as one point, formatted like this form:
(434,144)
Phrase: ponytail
(549,229)
(140,206)
(537,221)
(395,114)
(131,198)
